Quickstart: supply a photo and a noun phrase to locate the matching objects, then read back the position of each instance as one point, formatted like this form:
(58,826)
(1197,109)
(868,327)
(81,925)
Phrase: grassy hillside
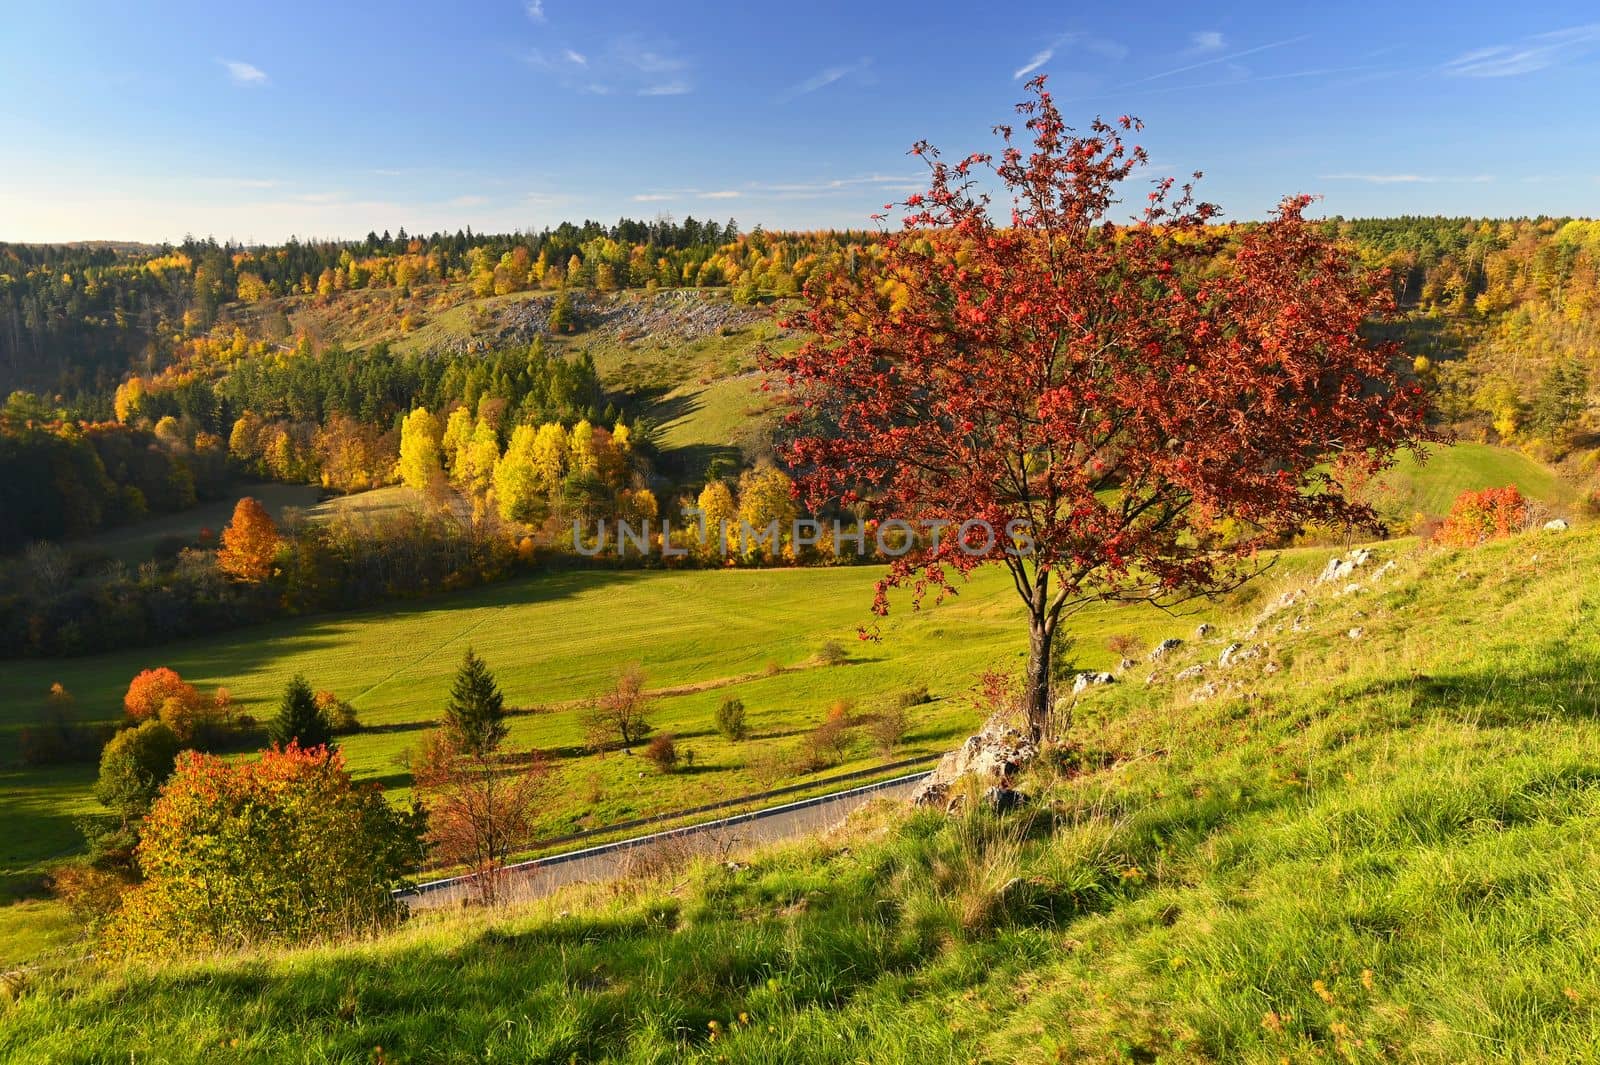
(685,358)
(1429,488)
(1364,848)
(556,641)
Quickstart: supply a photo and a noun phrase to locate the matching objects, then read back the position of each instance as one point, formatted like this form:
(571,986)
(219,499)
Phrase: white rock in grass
(1235,653)
(1356,633)
(1557,525)
(1202,631)
(1165,648)
(1192,673)
(1088,680)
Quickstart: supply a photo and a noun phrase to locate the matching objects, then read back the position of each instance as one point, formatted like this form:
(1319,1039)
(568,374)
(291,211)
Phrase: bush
(828,743)
(293,850)
(889,728)
(730,719)
(663,753)
(196,722)
(340,714)
(1490,514)
(133,767)
(91,894)
(917,696)
(833,653)
(1125,645)
(57,738)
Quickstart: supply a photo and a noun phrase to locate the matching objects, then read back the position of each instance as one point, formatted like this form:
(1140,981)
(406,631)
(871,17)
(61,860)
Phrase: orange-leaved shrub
(1489,514)
(151,689)
(284,847)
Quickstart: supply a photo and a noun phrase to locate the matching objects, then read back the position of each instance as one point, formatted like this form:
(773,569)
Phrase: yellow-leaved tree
(420,466)
(765,498)
(718,511)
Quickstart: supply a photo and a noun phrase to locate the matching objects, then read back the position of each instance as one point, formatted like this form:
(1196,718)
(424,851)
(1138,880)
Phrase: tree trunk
(1036,693)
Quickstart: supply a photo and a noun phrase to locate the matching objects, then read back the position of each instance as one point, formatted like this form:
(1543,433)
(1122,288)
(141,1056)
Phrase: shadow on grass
(1566,685)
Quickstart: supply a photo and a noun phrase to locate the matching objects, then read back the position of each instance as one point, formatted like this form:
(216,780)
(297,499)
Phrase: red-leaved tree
(1112,390)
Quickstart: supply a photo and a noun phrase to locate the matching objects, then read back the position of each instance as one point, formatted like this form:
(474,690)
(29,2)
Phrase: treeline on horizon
(156,357)
(75,318)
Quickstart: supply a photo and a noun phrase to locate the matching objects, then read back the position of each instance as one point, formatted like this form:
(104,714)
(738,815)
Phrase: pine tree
(299,718)
(476,715)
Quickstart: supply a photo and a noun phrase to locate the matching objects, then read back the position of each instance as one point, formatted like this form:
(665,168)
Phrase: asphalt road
(722,838)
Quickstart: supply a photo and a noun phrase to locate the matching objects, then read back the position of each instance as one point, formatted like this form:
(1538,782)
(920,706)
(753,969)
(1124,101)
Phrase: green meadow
(557,641)
(1357,848)
(1430,487)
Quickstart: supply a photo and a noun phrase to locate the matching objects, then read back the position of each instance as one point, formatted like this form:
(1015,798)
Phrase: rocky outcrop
(1339,569)
(1086,681)
(1556,525)
(992,757)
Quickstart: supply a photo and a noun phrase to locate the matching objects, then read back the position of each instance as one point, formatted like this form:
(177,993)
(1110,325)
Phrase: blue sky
(253,122)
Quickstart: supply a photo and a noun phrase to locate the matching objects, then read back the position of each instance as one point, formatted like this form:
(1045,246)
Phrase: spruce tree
(476,715)
(299,718)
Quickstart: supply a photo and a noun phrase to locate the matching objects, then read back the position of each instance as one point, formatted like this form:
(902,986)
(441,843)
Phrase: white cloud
(1530,54)
(823,78)
(629,64)
(652,197)
(1080,41)
(1219,59)
(721,194)
(1040,58)
(245,74)
(1206,41)
(535,9)
(469,201)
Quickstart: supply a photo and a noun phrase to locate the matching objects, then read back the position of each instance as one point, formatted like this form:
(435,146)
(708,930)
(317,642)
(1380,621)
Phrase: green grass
(555,641)
(1429,488)
(1369,849)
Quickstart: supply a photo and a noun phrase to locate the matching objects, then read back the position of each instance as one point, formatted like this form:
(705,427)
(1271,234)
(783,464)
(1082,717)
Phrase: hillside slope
(1373,841)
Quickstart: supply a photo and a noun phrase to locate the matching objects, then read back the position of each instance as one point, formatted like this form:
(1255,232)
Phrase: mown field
(557,641)
(1358,849)
(1429,488)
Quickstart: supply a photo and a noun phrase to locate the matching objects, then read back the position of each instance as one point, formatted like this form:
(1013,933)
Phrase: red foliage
(1114,388)
(1490,514)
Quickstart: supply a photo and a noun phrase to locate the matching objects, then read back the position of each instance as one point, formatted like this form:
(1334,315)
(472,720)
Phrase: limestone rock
(1235,653)
(1165,648)
(1202,631)
(1557,525)
(1085,681)
(992,757)
(1192,673)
